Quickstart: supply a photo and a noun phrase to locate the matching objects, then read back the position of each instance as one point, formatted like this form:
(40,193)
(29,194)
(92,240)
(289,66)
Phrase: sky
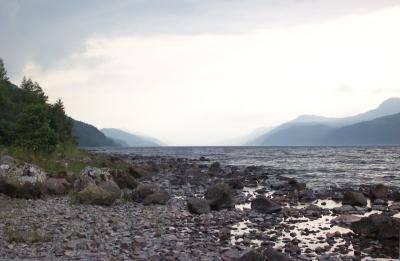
(204,72)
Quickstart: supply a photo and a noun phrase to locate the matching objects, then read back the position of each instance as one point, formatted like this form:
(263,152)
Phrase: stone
(262,204)
(378,226)
(57,186)
(124,179)
(244,255)
(198,206)
(345,220)
(91,175)
(95,195)
(220,196)
(111,187)
(271,254)
(235,183)
(160,197)
(354,199)
(378,191)
(21,180)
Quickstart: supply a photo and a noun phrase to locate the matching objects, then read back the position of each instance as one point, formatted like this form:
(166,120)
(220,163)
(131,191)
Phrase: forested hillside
(28,120)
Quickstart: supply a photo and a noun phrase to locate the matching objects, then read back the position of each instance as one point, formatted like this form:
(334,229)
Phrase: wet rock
(262,204)
(235,183)
(377,226)
(215,167)
(220,196)
(379,191)
(21,179)
(345,220)
(354,199)
(245,255)
(273,255)
(57,186)
(198,206)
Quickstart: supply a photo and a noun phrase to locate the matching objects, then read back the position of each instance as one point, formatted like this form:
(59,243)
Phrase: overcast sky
(200,72)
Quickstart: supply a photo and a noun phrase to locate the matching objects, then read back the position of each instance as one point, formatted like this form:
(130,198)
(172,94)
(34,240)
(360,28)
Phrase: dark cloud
(47,30)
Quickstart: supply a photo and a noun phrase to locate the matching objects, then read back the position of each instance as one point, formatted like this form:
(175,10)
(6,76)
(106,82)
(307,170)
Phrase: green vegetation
(31,235)
(28,121)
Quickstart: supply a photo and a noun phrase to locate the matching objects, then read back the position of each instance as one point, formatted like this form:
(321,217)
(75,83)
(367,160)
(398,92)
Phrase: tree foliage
(3,72)
(28,121)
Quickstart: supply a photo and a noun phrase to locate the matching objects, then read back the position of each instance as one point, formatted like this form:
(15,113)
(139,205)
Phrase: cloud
(47,31)
(197,89)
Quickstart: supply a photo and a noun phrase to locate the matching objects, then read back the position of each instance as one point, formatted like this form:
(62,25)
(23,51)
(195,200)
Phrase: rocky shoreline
(166,208)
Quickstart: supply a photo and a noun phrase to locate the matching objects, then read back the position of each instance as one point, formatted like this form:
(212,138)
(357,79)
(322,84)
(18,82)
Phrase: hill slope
(129,139)
(89,136)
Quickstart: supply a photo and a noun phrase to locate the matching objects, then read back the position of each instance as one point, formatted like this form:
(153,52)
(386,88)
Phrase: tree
(32,91)
(60,123)
(33,130)
(3,72)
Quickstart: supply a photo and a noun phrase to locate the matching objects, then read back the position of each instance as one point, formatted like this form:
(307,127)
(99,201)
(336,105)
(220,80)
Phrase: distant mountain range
(129,139)
(380,126)
(89,136)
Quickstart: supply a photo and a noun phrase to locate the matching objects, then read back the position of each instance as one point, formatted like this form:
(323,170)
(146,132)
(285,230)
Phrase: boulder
(111,187)
(244,255)
(379,191)
(378,226)
(345,220)
(354,199)
(21,180)
(271,254)
(215,167)
(235,183)
(150,194)
(160,197)
(262,204)
(124,179)
(198,206)
(95,195)
(57,186)
(220,196)
(91,175)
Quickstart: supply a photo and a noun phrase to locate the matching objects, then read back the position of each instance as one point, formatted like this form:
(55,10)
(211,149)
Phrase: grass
(32,235)
(69,158)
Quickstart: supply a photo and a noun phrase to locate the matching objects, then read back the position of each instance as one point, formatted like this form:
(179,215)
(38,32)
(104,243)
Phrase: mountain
(381,131)
(290,133)
(89,136)
(129,139)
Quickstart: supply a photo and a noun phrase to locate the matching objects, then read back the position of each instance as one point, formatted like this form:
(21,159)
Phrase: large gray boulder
(354,199)
(262,204)
(22,180)
(220,196)
(96,186)
(57,186)
(95,195)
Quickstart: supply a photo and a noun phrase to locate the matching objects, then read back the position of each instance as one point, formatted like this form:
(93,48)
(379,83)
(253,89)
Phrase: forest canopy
(28,120)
